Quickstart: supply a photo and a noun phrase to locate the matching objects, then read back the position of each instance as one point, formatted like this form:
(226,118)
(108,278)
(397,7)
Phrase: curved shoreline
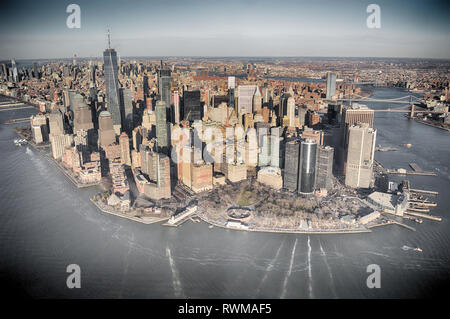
(281,231)
(133,218)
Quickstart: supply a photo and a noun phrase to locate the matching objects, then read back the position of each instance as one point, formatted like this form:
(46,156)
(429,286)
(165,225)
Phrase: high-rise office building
(124,143)
(83,119)
(360,155)
(112,87)
(192,110)
(291,159)
(257,102)
(161,126)
(351,115)
(56,122)
(106,132)
(155,181)
(291,111)
(4,71)
(324,167)
(331,85)
(231,82)
(176,106)
(126,109)
(307,168)
(14,70)
(245,98)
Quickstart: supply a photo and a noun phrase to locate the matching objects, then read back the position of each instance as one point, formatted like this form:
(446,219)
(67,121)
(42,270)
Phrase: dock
(403,225)
(420,210)
(405,172)
(435,218)
(415,167)
(180,218)
(422,191)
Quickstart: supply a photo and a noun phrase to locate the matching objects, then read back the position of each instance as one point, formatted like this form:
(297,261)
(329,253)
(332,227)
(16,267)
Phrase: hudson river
(46,223)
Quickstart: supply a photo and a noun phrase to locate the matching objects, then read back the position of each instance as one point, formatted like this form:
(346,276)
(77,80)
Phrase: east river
(46,223)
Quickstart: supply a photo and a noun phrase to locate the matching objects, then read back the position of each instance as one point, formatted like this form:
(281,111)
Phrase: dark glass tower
(292,154)
(192,109)
(307,169)
(112,87)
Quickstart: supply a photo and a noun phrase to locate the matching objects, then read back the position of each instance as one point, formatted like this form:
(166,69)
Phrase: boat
(210,226)
(20,142)
(418,249)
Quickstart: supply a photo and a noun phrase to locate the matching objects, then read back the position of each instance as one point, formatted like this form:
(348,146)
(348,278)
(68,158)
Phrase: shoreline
(118,214)
(40,149)
(291,231)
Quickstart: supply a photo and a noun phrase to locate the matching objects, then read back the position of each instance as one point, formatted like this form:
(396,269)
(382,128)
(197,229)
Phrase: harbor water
(46,224)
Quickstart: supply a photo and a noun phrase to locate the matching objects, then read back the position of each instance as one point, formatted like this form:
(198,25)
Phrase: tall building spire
(109,40)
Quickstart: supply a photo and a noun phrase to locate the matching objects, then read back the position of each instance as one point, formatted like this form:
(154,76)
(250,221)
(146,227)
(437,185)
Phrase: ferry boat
(418,249)
(20,142)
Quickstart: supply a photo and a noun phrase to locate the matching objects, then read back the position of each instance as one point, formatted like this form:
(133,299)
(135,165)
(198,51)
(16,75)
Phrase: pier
(438,219)
(402,171)
(180,218)
(422,191)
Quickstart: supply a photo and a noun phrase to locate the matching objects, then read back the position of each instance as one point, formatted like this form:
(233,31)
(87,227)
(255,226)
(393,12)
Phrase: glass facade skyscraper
(331,85)
(112,87)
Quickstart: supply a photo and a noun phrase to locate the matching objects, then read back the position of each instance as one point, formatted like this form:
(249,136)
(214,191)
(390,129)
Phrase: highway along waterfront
(47,223)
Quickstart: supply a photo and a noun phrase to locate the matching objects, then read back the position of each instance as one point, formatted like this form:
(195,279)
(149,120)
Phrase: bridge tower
(411,115)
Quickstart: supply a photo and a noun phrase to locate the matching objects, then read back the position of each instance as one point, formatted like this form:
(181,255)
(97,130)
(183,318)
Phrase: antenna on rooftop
(109,40)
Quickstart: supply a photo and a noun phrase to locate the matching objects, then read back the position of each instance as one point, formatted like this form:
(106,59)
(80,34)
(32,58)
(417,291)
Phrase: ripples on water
(47,223)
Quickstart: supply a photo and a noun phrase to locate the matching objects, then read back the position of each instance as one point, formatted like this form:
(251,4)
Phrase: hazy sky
(409,28)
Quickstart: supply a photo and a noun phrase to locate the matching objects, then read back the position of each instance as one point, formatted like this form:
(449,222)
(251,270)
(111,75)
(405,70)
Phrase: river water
(46,223)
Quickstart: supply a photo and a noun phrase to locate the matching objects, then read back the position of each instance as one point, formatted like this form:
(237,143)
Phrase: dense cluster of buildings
(168,125)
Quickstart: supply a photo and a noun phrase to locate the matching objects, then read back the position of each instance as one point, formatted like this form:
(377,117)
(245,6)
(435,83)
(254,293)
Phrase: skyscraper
(14,70)
(161,125)
(360,155)
(56,122)
(357,113)
(164,80)
(176,106)
(291,158)
(124,143)
(331,85)
(245,98)
(324,167)
(112,87)
(106,132)
(307,168)
(257,101)
(83,119)
(291,110)
(192,110)
(126,109)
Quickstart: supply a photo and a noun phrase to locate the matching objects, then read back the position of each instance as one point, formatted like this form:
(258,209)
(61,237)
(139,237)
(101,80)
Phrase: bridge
(407,101)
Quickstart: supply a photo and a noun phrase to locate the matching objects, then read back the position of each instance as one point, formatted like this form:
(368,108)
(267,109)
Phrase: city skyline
(199,28)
